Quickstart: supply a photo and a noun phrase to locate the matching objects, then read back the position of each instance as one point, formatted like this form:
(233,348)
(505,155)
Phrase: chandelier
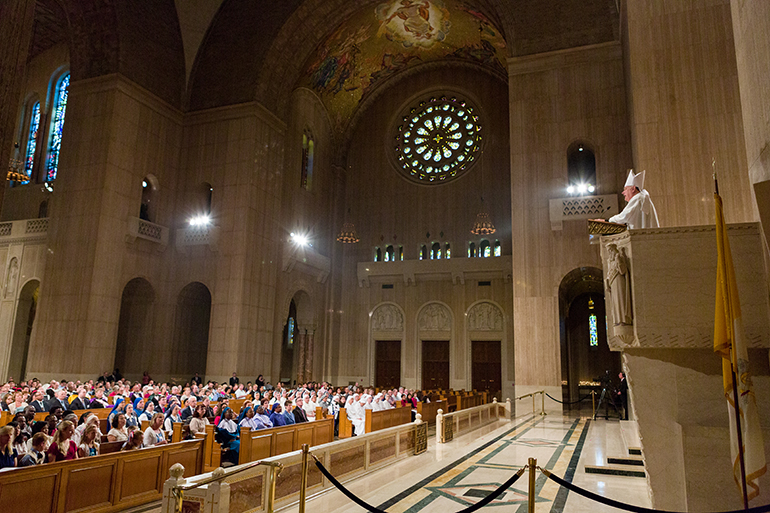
(483,224)
(16,168)
(348,234)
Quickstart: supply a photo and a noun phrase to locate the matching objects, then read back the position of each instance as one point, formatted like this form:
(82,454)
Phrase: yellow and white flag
(731,346)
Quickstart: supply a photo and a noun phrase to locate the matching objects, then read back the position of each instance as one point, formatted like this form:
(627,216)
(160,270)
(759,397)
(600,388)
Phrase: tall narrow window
(377,255)
(485,250)
(423,252)
(498,249)
(593,334)
(401,253)
(390,254)
(435,251)
(34,125)
(581,169)
(290,333)
(471,249)
(447,251)
(308,150)
(59,110)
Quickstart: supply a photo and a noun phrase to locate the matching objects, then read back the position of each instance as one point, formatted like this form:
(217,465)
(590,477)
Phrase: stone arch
(26,308)
(434,322)
(192,323)
(576,287)
(134,344)
(301,305)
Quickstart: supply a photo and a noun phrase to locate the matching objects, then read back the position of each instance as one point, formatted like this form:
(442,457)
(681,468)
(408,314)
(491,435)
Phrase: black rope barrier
(562,402)
(630,507)
(350,495)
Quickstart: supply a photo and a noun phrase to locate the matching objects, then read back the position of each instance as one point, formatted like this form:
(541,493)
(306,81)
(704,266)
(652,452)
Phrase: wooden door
(435,364)
(387,372)
(486,371)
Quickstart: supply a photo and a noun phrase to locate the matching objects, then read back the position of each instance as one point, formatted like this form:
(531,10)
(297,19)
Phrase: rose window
(438,140)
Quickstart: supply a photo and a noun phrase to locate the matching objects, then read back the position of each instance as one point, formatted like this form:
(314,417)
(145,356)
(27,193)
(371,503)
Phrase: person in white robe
(356,415)
(640,211)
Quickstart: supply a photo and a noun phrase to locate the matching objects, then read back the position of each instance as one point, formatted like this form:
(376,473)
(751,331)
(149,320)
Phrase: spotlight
(300,240)
(571,190)
(200,221)
(591,188)
(144,184)
(580,148)
(582,188)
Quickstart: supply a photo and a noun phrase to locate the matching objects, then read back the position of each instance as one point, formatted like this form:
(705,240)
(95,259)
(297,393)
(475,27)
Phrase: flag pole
(733,360)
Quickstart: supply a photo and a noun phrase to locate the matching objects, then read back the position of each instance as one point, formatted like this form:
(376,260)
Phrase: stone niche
(675,379)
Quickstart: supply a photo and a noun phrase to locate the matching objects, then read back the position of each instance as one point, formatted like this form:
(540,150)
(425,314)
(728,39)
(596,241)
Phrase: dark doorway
(25,318)
(133,349)
(191,338)
(486,372)
(388,370)
(435,364)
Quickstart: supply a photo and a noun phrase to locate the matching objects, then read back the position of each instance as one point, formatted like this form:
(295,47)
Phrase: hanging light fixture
(16,168)
(483,224)
(348,234)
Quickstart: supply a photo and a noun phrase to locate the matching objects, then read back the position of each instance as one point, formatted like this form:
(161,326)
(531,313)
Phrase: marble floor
(453,476)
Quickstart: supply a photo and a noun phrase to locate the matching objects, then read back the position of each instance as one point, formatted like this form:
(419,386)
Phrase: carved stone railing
(456,270)
(581,207)
(141,229)
(24,229)
(207,235)
(670,281)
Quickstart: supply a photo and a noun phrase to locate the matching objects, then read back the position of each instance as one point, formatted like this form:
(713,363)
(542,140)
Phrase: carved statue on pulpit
(618,283)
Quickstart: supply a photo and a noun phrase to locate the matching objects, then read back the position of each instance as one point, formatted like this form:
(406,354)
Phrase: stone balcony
(455,269)
(25,229)
(577,208)
(140,229)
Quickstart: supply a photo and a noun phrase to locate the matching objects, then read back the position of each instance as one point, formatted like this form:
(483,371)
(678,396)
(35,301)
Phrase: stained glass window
(390,255)
(438,140)
(498,249)
(471,250)
(401,253)
(592,333)
(423,252)
(447,251)
(435,251)
(34,125)
(59,110)
(290,333)
(485,250)
(377,255)
(308,151)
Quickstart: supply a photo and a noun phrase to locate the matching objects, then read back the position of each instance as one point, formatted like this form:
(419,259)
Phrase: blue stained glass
(60,109)
(498,249)
(592,333)
(34,125)
(290,334)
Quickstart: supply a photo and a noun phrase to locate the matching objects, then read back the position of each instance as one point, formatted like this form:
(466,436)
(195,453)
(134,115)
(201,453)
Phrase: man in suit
(37,401)
(81,402)
(59,399)
(623,394)
(299,413)
(234,380)
(188,410)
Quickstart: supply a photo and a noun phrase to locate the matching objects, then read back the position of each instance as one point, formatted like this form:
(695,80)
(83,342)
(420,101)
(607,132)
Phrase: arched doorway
(298,340)
(191,331)
(585,354)
(133,353)
(26,308)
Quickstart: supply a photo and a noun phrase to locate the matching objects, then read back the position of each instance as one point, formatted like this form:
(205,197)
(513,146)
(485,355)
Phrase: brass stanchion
(179,495)
(303,483)
(593,403)
(533,404)
(274,472)
(542,396)
(532,468)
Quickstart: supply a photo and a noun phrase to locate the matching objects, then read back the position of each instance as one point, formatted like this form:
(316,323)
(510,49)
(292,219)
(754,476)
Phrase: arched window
(423,252)
(593,333)
(401,253)
(581,169)
(290,333)
(471,249)
(34,126)
(390,254)
(447,251)
(308,150)
(498,249)
(435,251)
(207,194)
(57,127)
(42,210)
(377,254)
(485,250)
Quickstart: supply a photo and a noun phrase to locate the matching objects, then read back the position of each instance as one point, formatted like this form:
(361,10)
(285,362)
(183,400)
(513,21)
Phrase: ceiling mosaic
(374,45)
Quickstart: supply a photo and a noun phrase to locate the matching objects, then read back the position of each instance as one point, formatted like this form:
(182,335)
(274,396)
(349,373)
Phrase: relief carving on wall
(434,317)
(387,318)
(11,277)
(485,317)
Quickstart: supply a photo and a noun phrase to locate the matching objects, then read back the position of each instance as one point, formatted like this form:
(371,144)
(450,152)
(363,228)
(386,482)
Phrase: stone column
(309,337)
(16,21)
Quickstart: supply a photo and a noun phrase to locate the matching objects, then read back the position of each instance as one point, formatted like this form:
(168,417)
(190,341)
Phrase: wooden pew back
(101,484)
(376,420)
(264,443)
(345,427)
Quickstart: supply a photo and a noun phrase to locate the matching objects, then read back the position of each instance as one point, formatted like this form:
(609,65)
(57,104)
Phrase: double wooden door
(435,364)
(387,373)
(486,371)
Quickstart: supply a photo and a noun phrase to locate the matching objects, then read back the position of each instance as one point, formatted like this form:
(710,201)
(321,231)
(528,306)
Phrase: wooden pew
(212,450)
(345,426)
(264,443)
(110,447)
(102,484)
(383,419)
(430,410)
